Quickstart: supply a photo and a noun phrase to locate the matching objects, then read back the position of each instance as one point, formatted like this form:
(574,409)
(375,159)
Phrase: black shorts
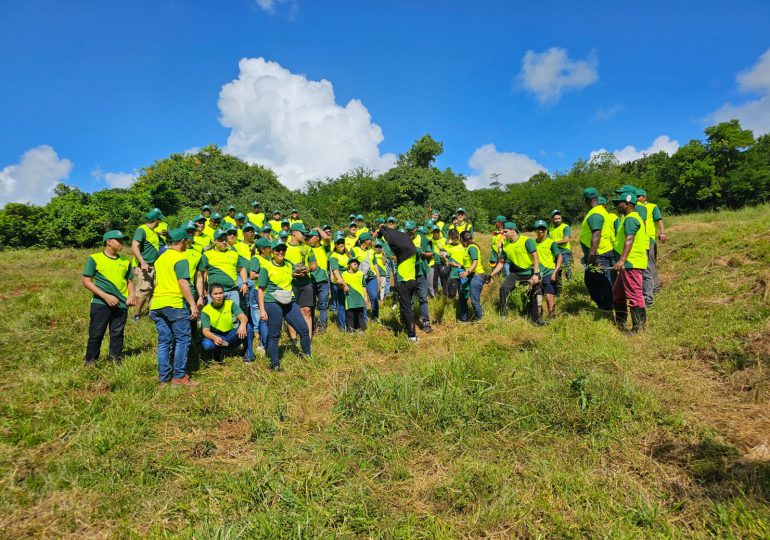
(548,286)
(303,295)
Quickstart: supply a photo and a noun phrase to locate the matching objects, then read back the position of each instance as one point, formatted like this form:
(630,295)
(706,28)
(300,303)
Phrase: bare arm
(199,287)
(184,286)
(137,253)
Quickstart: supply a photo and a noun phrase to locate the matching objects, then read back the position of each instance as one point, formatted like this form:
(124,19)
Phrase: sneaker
(136,318)
(427,328)
(184,381)
(276,368)
(413,339)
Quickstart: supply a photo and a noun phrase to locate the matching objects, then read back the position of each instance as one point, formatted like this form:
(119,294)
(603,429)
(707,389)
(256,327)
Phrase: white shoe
(413,339)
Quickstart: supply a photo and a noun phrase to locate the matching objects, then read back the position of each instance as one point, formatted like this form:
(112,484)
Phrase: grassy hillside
(498,429)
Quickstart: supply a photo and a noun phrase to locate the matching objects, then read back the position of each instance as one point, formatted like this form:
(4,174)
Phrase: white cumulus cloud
(115,179)
(491,165)
(755,114)
(294,125)
(551,73)
(34,177)
(629,153)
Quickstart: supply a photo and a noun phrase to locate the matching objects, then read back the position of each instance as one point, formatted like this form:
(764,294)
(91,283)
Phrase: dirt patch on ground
(15,293)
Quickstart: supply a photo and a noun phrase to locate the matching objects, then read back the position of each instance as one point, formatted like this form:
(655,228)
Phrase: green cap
(378,243)
(352,217)
(216,216)
(429,223)
(249,226)
(626,188)
(641,193)
(189,226)
(353,259)
(510,225)
(435,213)
(240,215)
(312,233)
(283,234)
(590,193)
(410,225)
(339,236)
(326,227)
(153,215)
(422,230)
(627,197)
(554,212)
(254,203)
(359,216)
(364,237)
(267,228)
(285,221)
(229,227)
(436,228)
(219,233)
(602,200)
(277,245)
(379,220)
(353,224)
(500,219)
(199,218)
(298,227)
(177,235)
(460,210)
(114,235)
(262,243)
(231,207)
(540,224)
(391,219)
(205,207)
(276,212)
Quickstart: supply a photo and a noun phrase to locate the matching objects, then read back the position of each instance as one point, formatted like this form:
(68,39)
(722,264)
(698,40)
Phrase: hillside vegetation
(498,429)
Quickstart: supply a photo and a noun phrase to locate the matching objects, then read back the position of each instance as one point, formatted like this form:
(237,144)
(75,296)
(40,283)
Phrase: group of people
(241,279)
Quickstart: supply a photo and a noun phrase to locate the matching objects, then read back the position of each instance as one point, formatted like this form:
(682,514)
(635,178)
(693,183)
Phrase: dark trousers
(440,274)
(276,314)
(102,317)
(510,283)
(599,281)
(355,320)
(453,285)
(406,290)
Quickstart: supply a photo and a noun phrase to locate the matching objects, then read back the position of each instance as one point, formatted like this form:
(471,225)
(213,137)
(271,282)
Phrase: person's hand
(242,332)
(218,341)
(194,312)
(618,266)
(662,237)
(463,275)
(346,288)
(591,259)
(263,315)
(145,267)
(111,300)
(199,303)
(131,300)
(244,289)
(487,278)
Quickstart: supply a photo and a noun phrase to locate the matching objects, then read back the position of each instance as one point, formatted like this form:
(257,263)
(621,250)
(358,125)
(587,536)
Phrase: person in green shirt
(145,247)
(262,254)
(367,264)
(654,218)
(551,259)
(230,215)
(424,254)
(318,240)
(256,216)
(276,303)
(460,224)
(631,245)
(107,275)
(560,233)
(219,329)
(520,253)
(356,296)
(302,258)
(224,266)
(338,262)
(171,309)
(596,234)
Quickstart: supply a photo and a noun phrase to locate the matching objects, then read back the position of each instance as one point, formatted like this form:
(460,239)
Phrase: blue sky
(93,91)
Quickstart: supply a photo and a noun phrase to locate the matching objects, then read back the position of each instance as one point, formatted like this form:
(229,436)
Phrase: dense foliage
(728,169)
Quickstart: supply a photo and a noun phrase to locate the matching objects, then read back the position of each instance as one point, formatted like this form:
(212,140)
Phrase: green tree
(423,152)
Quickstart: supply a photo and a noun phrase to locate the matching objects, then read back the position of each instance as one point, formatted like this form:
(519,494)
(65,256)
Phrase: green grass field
(498,429)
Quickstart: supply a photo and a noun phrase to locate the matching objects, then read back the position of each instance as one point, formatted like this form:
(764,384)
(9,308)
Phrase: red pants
(628,286)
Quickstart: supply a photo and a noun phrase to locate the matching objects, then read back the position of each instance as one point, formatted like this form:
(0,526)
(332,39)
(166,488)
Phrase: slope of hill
(497,429)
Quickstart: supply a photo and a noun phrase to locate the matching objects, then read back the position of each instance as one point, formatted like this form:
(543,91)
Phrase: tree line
(728,169)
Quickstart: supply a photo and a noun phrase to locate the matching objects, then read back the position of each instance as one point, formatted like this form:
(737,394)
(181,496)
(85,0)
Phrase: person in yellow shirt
(294,218)
(475,277)
(240,219)
(361,227)
(596,234)
(211,227)
(169,312)
(275,223)
(352,236)
(560,233)
(256,216)
(338,261)
(551,258)
(219,329)
(230,215)
(631,245)
(145,247)
(200,240)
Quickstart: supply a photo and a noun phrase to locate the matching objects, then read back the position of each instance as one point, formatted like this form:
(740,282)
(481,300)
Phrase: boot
(638,319)
(621,316)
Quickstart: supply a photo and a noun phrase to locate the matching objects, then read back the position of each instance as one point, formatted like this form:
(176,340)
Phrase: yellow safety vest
(342,261)
(230,220)
(256,219)
(637,257)
(275,225)
(613,219)
(517,254)
(151,236)
(321,257)
(462,227)
(167,292)
(557,233)
(355,281)
(649,223)
(113,270)
(605,242)
(479,265)
(225,261)
(243,249)
(544,253)
(406,270)
(280,276)
(456,252)
(221,319)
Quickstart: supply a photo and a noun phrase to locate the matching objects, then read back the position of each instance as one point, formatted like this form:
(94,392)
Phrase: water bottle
(463,280)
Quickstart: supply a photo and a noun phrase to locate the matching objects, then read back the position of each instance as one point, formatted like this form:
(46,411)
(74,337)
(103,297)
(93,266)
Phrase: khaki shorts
(144,283)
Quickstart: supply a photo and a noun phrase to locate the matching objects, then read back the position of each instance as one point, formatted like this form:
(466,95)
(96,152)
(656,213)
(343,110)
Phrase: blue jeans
(462,300)
(256,322)
(321,292)
(232,337)
(276,313)
(422,297)
(477,284)
(173,325)
(339,301)
(566,263)
(373,290)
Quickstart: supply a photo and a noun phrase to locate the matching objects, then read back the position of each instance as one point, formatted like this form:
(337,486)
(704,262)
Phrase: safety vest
(605,242)
(355,281)
(200,242)
(167,292)
(243,249)
(280,276)
(193,258)
(545,255)
(462,227)
(406,270)
(362,254)
(557,233)
(208,230)
(321,257)
(112,270)
(230,220)
(479,266)
(275,224)
(150,236)
(257,219)
(456,252)
(361,231)
(350,242)
(341,258)
(159,229)
(649,224)
(517,254)
(613,219)
(221,319)
(637,257)
(224,261)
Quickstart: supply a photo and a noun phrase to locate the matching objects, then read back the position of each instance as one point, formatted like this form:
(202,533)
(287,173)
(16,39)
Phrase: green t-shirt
(631,227)
(206,319)
(354,298)
(595,223)
(223,267)
(423,265)
(149,252)
(110,275)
